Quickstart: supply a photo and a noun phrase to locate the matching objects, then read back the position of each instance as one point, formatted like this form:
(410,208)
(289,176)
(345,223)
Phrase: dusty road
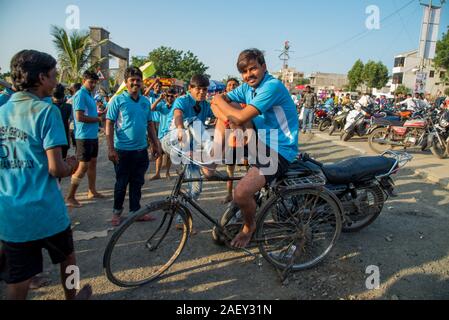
(408,242)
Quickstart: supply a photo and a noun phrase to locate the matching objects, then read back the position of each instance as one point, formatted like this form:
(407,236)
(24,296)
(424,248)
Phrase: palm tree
(74,53)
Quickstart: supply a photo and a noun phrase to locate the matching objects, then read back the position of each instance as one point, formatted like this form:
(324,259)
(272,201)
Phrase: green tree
(441,60)
(355,75)
(172,63)
(375,74)
(401,89)
(74,53)
(446,92)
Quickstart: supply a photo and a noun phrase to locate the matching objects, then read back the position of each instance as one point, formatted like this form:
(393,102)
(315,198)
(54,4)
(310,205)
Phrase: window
(399,62)
(397,78)
(432,74)
(442,74)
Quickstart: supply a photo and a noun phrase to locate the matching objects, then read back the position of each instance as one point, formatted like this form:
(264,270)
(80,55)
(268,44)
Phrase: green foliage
(302,81)
(442,52)
(401,89)
(446,92)
(355,75)
(375,74)
(172,63)
(74,53)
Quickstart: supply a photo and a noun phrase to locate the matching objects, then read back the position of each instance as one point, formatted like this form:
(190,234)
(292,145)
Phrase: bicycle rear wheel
(139,252)
(298,229)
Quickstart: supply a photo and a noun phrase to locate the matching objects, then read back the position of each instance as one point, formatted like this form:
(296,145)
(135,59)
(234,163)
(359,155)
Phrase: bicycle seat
(357,169)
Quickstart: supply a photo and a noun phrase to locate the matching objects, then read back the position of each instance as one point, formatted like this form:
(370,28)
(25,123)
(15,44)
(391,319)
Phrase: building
(289,76)
(328,81)
(407,68)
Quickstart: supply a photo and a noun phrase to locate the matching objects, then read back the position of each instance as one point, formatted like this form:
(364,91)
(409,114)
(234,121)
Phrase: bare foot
(95,195)
(168,176)
(73,203)
(243,238)
(85,293)
(155,177)
(227,199)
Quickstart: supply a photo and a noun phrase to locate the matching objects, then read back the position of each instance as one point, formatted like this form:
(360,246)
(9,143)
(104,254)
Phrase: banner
(148,71)
(429,32)
(420,83)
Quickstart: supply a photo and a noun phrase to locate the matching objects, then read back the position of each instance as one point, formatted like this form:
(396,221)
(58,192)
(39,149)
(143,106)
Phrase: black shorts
(86,149)
(268,171)
(22,261)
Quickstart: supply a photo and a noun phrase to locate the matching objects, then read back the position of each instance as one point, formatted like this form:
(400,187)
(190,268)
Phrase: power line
(355,36)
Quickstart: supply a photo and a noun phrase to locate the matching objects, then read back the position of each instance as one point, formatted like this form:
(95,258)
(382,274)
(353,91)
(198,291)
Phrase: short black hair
(199,81)
(249,55)
(133,71)
(59,91)
(172,91)
(233,79)
(90,75)
(27,65)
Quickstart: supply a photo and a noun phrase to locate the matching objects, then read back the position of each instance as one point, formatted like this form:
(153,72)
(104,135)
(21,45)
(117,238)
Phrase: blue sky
(216,31)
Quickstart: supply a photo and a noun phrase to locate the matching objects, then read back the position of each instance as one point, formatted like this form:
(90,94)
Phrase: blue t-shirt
(31,204)
(165,118)
(83,101)
(155,115)
(277,111)
(186,104)
(131,121)
(5,95)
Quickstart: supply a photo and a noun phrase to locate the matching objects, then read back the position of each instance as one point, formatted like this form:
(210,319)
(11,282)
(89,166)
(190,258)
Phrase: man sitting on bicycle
(269,106)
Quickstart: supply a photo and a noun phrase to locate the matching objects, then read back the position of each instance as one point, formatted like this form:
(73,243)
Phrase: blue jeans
(307,119)
(194,188)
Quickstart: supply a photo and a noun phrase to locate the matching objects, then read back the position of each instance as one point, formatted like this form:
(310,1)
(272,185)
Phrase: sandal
(116,220)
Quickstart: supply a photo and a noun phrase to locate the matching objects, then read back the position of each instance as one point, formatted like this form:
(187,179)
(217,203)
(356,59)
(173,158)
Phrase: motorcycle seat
(357,169)
(388,122)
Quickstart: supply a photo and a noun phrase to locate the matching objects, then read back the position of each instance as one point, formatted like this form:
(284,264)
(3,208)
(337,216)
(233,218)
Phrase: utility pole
(284,57)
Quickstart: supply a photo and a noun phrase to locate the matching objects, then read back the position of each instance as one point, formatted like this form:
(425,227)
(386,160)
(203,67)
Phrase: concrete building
(289,76)
(406,67)
(105,51)
(328,81)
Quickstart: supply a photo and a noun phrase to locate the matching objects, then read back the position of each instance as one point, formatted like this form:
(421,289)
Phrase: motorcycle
(438,138)
(339,119)
(326,122)
(357,122)
(413,133)
(360,185)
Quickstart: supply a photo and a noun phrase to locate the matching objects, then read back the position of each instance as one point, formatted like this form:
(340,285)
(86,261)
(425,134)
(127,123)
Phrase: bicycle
(297,225)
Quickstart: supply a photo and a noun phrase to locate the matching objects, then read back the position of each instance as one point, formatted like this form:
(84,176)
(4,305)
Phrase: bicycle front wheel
(297,229)
(139,252)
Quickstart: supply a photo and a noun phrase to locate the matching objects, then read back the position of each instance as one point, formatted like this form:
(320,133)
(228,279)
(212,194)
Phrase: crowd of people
(35,132)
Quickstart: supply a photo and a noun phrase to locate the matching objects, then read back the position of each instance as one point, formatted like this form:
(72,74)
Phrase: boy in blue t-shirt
(33,215)
(271,111)
(162,108)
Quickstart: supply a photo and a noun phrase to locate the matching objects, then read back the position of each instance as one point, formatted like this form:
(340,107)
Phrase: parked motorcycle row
(389,128)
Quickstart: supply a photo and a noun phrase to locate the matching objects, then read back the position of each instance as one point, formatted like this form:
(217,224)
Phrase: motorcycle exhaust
(392,143)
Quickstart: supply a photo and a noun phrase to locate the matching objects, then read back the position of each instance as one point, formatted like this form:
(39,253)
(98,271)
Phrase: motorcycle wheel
(324,125)
(372,201)
(378,147)
(331,129)
(345,136)
(438,150)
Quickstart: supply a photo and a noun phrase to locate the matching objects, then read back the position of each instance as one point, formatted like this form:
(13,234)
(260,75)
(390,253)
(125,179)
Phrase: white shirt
(410,102)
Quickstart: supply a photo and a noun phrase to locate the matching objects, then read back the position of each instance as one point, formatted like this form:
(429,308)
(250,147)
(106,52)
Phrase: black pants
(130,169)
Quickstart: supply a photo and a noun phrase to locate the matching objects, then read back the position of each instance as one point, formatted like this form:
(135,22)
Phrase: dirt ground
(408,242)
